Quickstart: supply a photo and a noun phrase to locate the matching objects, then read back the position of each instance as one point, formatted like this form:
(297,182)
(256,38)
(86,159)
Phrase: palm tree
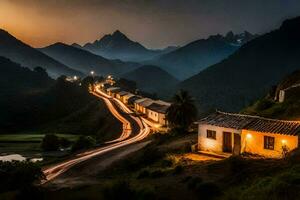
(182,112)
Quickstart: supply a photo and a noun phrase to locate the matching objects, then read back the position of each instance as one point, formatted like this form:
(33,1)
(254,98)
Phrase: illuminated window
(211,134)
(269,142)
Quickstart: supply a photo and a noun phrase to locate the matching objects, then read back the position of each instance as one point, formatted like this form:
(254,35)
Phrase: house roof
(129,95)
(292,87)
(112,89)
(254,123)
(132,99)
(163,102)
(160,108)
(122,93)
(144,102)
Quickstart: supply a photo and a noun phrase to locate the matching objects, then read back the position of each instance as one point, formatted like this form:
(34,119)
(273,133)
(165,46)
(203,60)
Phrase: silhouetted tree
(50,143)
(182,112)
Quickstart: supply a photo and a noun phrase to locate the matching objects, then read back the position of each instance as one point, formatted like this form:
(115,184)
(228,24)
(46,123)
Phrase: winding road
(134,129)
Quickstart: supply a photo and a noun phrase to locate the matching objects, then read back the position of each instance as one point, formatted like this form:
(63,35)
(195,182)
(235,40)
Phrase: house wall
(153,115)
(213,145)
(140,108)
(162,119)
(253,142)
(281,96)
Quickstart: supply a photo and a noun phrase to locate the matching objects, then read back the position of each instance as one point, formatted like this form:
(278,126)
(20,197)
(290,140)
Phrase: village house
(131,100)
(157,112)
(140,105)
(120,95)
(126,97)
(112,91)
(235,134)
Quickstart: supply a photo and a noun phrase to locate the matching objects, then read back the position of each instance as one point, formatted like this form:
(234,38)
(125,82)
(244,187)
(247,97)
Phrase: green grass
(31,138)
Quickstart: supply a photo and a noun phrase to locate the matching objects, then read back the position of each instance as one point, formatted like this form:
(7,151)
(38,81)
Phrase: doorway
(227,142)
(237,144)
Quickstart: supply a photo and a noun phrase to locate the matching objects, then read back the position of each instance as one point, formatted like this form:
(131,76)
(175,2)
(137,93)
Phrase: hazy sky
(154,23)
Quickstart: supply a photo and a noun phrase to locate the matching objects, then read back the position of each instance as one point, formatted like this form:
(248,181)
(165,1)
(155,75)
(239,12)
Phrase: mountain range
(119,46)
(19,52)
(86,61)
(249,72)
(200,54)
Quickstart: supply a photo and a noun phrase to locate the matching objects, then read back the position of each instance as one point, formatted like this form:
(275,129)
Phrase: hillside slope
(31,101)
(85,61)
(269,106)
(19,52)
(151,79)
(247,74)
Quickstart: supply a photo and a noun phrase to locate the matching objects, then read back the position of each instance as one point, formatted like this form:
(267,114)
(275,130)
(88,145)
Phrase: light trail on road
(144,130)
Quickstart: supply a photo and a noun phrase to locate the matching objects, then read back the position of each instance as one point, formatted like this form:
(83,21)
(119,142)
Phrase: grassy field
(26,144)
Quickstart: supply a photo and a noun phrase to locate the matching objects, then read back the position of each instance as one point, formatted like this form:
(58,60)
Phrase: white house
(235,133)
(157,112)
(140,105)
(126,97)
(120,94)
(113,91)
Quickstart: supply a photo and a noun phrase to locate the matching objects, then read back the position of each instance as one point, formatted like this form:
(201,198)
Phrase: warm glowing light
(75,78)
(92,72)
(109,76)
(283,141)
(249,136)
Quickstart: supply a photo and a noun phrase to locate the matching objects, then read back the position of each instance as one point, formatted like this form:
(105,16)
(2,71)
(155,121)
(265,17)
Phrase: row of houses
(154,110)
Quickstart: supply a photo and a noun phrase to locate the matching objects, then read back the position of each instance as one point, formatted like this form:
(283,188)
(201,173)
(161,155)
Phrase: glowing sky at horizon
(155,23)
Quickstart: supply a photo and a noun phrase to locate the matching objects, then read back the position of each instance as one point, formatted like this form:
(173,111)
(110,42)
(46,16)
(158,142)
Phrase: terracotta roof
(122,93)
(160,108)
(112,89)
(254,123)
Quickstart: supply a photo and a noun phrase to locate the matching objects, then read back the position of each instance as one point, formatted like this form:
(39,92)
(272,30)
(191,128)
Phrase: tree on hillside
(182,112)
(50,143)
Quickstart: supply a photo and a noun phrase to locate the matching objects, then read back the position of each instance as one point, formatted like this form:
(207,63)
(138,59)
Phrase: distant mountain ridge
(86,61)
(197,55)
(250,72)
(119,46)
(19,52)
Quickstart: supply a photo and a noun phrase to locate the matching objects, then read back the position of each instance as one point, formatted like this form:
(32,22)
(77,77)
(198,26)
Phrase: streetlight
(75,78)
(92,73)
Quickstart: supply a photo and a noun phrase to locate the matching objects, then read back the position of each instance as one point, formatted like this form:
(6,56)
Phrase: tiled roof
(160,108)
(146,103)
(254,123)
(122,93)
(113,89)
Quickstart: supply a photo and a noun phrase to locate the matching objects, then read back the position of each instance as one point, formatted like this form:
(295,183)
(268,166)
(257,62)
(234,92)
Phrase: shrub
(119,190)
(123,190)
(143,174)
(193,182)
(263,104)
(50,142)
(19,175)
(178,169)
(146,173)
(208,190)
(170,161)
(83,142)
(157,173)
(64,142)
